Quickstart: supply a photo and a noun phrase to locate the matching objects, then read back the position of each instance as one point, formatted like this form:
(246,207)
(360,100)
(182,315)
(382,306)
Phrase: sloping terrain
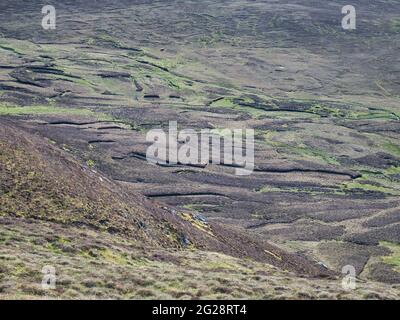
(42,182)
(324,104)
(105,242)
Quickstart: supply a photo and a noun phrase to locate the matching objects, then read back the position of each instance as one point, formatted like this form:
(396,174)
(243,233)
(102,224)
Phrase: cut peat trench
(186,194)
(111,128)
(75,123)
(299,170)
(101,141)
(142,156)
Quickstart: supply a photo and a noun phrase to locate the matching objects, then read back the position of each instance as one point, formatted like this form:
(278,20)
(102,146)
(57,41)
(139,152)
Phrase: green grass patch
(90,163)
(160,63)
(376,181)
(392,148)
(307,152)
(356,185)
(268,189)
(159,71)
(375,115)
(49,110)
(113,257)
(229,103)
(392,171)
(310,191)
(10,49)
(394,25)
(66,76)
(321,109)
(394,258)
(106,39)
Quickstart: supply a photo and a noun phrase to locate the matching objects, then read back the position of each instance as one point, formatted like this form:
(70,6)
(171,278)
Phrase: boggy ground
(323,102)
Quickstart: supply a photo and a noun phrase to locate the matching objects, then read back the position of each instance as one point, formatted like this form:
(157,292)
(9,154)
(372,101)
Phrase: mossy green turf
(394,258)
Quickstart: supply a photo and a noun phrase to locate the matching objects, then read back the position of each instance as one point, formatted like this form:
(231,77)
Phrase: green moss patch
(394,258)
(355,185)
(392,148)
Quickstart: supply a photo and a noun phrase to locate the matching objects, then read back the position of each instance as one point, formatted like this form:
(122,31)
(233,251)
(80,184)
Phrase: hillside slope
(42,182)
(55,211)
(77,192)
(323,102)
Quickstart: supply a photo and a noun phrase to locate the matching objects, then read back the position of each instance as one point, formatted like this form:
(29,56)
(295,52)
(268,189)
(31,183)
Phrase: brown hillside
(41,182)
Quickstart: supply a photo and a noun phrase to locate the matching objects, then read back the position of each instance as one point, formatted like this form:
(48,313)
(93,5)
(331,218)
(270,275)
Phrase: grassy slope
(108,244)
(93,265)
(83,66)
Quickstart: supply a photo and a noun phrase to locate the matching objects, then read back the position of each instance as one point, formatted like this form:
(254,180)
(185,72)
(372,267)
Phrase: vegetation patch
(44,110)
(324,110)
(233,103)
(392,171)
(394,25)
(11,49)
(201,225)
(364,185)
(307,152)
(392,148)
(394,258)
